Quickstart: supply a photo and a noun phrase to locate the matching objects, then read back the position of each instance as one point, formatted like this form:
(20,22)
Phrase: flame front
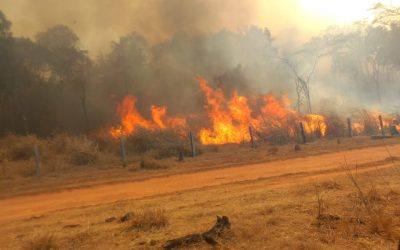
(231,119)
(131,119)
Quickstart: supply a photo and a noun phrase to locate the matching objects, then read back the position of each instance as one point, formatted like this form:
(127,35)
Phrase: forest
(49,84)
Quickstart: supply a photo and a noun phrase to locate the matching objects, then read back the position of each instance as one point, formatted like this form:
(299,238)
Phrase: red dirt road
(34,205)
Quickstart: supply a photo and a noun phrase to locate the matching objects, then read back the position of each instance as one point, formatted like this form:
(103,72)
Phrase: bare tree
(302,82)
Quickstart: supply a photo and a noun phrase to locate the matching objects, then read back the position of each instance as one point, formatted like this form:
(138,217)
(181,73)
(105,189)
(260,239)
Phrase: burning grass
(234,119)
(229,118)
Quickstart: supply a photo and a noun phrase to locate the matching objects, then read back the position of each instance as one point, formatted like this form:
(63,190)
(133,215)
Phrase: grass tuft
(44,242)
(149,219)
(151,164)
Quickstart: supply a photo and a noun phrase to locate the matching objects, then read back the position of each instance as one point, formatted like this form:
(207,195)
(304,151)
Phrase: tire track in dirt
(33,205)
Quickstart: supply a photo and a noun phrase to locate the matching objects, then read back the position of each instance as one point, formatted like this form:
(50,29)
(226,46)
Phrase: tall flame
(231,119)
(131,119)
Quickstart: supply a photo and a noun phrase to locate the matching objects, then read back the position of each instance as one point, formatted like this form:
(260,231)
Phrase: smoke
(211,38)
(98,22)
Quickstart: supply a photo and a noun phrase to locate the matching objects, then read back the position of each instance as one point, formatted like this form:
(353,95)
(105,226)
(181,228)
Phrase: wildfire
(231,119)
(315,124)
(131,119)
(358,128)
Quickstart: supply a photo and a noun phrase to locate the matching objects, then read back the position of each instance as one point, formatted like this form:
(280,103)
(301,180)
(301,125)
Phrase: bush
(336,127)
(46,242)
(149,219)
(151,164)
(83,158)
(370,123)
(79,150)
(17,148)
(276,136)
(163,143)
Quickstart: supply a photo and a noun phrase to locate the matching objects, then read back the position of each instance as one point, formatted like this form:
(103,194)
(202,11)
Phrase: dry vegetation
(44,242)
(331,211)
(148,219)
(69,162)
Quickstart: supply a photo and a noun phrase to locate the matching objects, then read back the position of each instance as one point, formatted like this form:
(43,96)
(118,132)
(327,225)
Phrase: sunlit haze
(199,124)
(98,23)
(338,11)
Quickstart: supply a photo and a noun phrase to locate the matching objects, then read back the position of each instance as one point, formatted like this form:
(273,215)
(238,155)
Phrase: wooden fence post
(123,152)
(381,125)
(37,159)
(350,131)
(303,135)
(192,146)
(253,144)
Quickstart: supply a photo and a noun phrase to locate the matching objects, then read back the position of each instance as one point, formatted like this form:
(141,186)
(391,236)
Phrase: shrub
(151,164)
(83,158)
(46,242)
(336,127)
(79,150)
(17,148)
(163,143)
(276,136)
(370,123)
(149,219)
(382,224)
(209,148)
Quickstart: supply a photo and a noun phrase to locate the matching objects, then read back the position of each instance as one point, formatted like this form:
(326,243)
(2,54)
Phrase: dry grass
(57,154)
(280,217)
(148,219)
(44,242)
(104,165)
(152,164)
(16,148)
(78,150)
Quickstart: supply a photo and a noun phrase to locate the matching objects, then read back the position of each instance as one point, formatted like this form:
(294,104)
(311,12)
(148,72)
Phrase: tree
(361,53)
(127,61)
(68,64)
(5,26)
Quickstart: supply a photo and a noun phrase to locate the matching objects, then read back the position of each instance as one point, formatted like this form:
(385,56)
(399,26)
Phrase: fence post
(349,127)
(37,159)
(123,153)
(253,145)
(381,124)
(192,146)
(303,135)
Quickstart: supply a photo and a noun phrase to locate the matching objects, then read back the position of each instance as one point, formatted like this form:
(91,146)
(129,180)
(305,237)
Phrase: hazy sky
(98,22)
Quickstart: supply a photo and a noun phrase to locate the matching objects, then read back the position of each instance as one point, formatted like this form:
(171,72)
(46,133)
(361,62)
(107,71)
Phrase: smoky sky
(98,22)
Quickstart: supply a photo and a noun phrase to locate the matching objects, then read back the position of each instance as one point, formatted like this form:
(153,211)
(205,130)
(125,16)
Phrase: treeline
(50,84)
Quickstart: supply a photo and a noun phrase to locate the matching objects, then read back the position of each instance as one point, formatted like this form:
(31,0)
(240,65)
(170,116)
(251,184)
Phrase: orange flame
(315,124)
(227,125)
(231,119)
(131,119)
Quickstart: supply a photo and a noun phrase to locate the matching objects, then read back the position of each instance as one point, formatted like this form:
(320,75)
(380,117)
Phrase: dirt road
(34,205)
